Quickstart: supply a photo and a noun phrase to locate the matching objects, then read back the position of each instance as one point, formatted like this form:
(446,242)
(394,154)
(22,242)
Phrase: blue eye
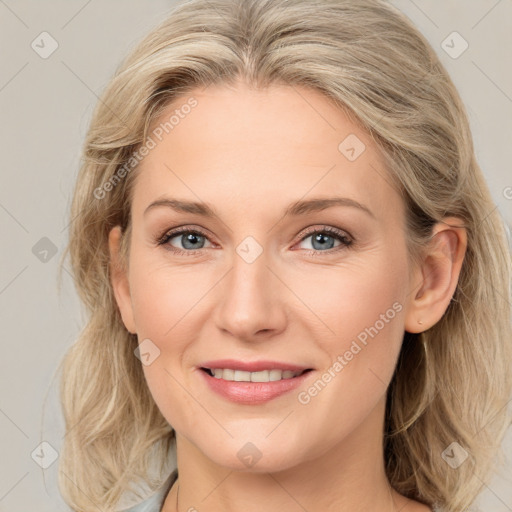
(193,240)
(323,240)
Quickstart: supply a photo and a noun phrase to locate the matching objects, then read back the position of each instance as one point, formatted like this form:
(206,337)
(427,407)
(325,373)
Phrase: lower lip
(253,393)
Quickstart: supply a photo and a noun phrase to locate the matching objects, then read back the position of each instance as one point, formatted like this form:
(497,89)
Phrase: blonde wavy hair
(451,383)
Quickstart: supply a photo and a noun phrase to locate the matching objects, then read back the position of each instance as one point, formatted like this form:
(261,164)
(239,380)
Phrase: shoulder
(154,502)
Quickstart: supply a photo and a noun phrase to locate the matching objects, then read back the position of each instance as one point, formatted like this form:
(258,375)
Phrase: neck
(348,477)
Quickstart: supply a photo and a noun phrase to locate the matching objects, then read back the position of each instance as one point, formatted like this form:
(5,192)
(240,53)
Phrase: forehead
(273,145)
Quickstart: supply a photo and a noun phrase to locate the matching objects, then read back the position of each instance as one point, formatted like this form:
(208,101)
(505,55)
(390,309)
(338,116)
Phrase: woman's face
(273,275)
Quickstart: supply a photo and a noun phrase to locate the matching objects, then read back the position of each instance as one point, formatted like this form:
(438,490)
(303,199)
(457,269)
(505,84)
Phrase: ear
(119,280)
(436,280)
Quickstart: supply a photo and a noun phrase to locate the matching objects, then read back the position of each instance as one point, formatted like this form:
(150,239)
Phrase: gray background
(45,109)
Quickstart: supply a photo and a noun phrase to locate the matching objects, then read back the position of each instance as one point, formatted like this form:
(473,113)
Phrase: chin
(253,457)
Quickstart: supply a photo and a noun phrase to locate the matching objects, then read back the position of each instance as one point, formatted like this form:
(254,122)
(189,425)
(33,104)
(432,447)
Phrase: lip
(252,366)
(252,393)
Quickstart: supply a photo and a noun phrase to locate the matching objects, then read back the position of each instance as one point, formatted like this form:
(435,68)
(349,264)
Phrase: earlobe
(439,275)
(119,280)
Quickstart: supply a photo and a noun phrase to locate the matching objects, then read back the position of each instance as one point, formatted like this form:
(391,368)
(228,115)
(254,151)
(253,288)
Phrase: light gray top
(155,502)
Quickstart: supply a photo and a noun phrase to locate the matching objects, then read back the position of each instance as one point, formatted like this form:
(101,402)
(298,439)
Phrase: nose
(250,303)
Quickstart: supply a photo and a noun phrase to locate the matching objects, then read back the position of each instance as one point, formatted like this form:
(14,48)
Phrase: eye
(323,240)
(191,240)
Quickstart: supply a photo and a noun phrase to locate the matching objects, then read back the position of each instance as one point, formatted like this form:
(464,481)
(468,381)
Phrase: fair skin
(249,154)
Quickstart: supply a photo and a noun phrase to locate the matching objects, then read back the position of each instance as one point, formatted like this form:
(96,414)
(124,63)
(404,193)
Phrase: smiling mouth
(273,375)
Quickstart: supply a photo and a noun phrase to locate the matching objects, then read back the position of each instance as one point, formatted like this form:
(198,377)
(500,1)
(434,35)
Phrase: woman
(295,274)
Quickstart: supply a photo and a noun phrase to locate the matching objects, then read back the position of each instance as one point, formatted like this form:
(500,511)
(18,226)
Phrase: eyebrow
(301,207)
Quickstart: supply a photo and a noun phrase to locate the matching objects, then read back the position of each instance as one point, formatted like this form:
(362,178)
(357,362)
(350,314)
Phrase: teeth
(263,376)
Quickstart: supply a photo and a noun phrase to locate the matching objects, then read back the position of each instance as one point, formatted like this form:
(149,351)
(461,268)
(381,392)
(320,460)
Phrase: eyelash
(346,242)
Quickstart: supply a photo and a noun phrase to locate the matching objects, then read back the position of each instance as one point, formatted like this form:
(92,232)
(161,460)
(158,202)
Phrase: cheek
(361,332)
(164,314)
(354,296)
(359,308)
(170,306)
(163,297)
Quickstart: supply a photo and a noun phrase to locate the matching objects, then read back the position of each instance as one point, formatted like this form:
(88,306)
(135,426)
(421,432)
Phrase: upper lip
(252,366)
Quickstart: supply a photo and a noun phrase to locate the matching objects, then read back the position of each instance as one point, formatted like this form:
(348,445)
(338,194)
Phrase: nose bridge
(249,302)
(250,274)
